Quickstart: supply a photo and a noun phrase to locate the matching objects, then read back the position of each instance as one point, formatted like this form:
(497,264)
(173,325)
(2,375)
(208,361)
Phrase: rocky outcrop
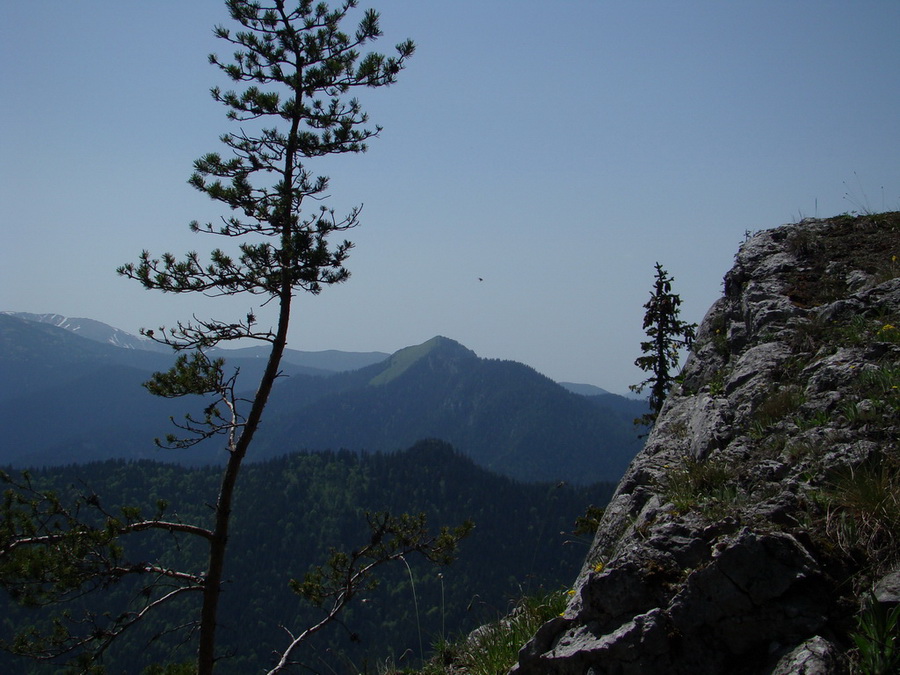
(766,502)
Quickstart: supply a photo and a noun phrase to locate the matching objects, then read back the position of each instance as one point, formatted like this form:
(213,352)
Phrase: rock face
(765,504)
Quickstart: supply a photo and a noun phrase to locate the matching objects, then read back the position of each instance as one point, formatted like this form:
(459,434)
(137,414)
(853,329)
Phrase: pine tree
(295,69)
(668,335)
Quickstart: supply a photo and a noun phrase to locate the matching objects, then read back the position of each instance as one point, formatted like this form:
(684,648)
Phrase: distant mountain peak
(446,345)
(401,360)
(93,330)
(583,389)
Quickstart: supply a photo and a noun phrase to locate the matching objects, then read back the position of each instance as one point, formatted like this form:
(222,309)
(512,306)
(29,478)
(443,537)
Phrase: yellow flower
(571,591)
(598,567)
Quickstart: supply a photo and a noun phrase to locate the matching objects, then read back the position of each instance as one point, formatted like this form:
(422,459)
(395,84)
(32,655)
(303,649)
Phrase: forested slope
(291,510)
(504,415)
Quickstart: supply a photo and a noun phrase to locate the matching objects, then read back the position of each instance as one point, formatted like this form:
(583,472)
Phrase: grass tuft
(493,648)
(877,639)
(697,483)
(864,511)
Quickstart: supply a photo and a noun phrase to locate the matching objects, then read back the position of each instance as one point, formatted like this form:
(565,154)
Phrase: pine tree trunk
(206,653)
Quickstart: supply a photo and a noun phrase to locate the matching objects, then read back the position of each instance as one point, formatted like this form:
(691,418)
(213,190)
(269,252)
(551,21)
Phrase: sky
(536,160)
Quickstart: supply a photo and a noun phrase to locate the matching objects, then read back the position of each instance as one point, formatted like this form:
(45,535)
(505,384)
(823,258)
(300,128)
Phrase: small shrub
(888,333)
(717,383)
(816,418)
(719,336)
(889,270)
(589,522)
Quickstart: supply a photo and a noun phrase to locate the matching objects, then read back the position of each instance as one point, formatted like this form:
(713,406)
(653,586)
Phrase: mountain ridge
(505,414)
(493,410)
(329,360)
(93,330)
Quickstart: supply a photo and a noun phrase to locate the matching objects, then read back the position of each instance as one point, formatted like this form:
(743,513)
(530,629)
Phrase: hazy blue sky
(556,150)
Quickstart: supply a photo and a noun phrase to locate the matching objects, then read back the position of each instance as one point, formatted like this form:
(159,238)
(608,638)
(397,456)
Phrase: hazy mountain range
(71,393)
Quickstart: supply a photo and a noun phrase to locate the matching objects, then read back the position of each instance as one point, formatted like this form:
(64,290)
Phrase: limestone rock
(726,547)
(887,590)
(816,656)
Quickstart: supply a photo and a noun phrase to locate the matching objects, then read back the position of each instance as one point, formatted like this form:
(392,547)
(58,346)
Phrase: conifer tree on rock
(297,69)
(667,335)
